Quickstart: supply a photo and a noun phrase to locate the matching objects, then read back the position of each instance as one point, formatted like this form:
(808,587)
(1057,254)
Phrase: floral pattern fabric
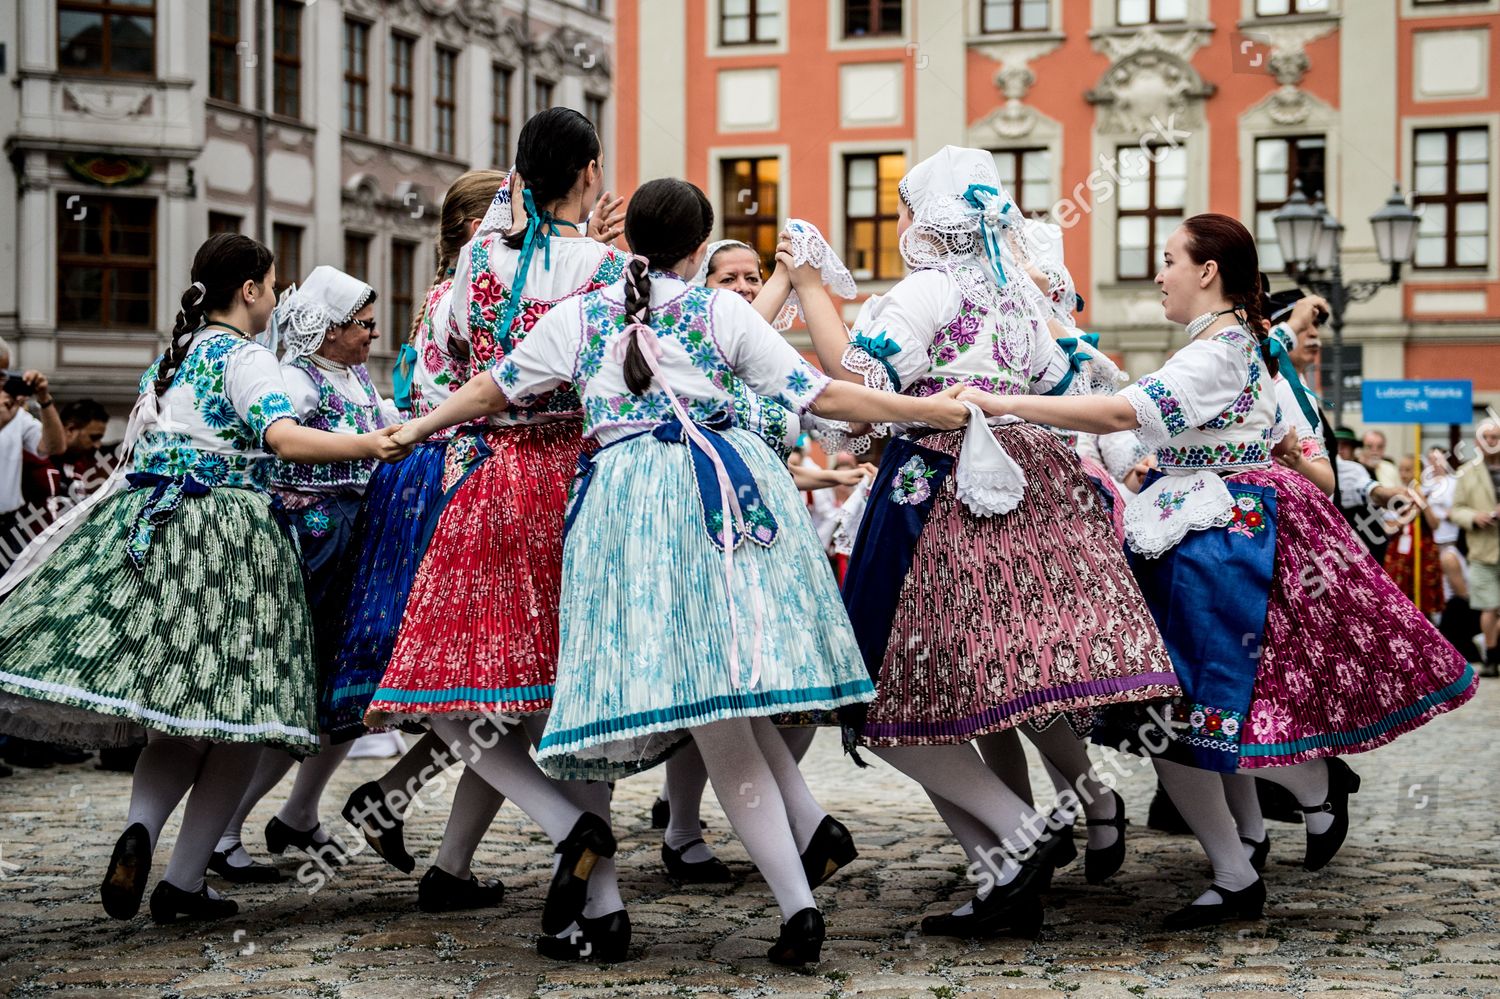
(214,417)
(333,412)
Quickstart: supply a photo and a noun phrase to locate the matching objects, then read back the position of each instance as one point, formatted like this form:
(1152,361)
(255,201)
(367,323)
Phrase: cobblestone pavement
(1411,906)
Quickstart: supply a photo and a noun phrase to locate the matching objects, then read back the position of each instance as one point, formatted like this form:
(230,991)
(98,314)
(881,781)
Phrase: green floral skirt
(210,637)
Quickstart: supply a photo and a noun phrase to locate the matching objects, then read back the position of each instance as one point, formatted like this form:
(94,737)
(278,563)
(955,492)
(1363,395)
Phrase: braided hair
(1224,240)
(467,199)
(221,267)
(667,220)
(554,146)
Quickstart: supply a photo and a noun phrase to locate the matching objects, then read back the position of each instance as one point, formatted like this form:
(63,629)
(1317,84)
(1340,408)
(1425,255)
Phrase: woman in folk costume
(180,560)
(401,505)
(734,266)
(685,536)
(978,607)
(479,637)
(1292,645)
(324,329)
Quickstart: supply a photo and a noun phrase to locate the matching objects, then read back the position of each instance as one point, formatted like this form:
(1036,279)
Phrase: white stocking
(799,739)
(1006,759)
(475,805)
(1069,759)
(802,810)
(504,760)
(1199,796)
(270,767)
(1308,782)
(683,790)
(166,769)
(218,790)
(301,808)
(1244,805)
(750,796)
(426,759)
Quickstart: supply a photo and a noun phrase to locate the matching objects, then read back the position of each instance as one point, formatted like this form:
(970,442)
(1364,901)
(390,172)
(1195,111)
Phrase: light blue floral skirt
(645,618)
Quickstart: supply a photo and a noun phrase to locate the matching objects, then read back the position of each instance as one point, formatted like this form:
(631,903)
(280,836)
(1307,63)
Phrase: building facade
(1114,118)
(328,129)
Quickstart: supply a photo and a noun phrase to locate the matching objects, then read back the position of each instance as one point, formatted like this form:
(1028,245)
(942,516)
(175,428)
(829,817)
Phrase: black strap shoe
(1102,863)
(169,902)
(661,813)
(254,873)
(800,940)
(125,878)
(603,940)
(439,891)
(830,848)
(1247,903)
(699,872)
(590,841)
(368,811)
(279,836)
(1258,851)
(1014,909)
(1324,846)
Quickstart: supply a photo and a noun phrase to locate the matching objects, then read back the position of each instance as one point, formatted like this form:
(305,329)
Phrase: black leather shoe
(1323,846)
(800,940)
(368,811)
(1015,908)
(830,848)
(1247,903)
(604,940)
(661,813)
(169,902)
(588,843)
(700,872)
(1101,863)
(439,891)
(1055,850)
(1258,851)
(254,874)
(279,836)
(125,878)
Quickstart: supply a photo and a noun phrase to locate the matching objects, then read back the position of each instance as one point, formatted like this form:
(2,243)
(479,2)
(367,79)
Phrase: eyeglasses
(367,324)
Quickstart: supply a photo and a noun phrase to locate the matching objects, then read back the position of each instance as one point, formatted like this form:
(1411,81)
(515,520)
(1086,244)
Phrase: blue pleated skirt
(645,624)
(401,504)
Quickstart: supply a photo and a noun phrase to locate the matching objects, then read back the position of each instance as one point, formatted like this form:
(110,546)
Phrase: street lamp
(1311,242)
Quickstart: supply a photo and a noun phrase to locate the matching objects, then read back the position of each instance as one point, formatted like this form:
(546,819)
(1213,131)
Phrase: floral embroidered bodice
(715,346)
(336,412)
(214,417)
(578,266)
(1212,406)
(437,373)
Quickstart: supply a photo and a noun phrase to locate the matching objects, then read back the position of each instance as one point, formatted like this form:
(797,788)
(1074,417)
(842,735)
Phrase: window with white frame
(1452,193)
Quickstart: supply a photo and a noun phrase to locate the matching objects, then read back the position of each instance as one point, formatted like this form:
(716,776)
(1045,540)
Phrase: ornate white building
(328,129)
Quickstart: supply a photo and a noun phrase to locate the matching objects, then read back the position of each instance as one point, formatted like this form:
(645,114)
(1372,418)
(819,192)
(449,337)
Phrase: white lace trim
(834,435)
(809,247)
(1163,513)
(1153,429)
(859,361)
(988,480)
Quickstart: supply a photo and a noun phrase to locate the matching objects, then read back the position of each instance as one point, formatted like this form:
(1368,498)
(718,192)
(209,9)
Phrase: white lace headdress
(328,297)
(701,278)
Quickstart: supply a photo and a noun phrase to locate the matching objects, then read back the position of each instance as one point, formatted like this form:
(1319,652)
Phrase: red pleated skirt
(480,630)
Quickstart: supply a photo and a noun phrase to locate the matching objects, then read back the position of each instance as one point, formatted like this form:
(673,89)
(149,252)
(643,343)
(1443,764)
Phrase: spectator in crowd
(1361,497)
(20,432)
(1477,513)
(83,459)
(1459,623)
(1372,456)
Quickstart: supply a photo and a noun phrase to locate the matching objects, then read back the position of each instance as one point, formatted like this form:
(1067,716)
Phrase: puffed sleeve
(1309,436)
(300,390)
(545,359)
(1196,384)
(894,331)
(759,356)
(254,385)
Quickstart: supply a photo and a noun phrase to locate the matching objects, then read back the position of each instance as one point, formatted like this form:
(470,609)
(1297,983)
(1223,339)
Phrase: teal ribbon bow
(1277,347)
(978,197)
(538,223)
(161,506)
(880,347)
(1076,360)
(402,375)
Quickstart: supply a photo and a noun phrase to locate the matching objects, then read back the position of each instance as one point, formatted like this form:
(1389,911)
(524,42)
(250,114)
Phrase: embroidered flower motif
(486,290)
(316,523)
(1249,517)
(797,382)
(912,486)
(1169,502)
(1166,403)
(219,413)
(1231,727)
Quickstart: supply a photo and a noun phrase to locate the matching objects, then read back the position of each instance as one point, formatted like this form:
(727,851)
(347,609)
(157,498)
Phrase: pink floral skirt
(1349,663)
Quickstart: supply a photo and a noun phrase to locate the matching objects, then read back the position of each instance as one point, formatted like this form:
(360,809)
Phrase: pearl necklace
(1204,321)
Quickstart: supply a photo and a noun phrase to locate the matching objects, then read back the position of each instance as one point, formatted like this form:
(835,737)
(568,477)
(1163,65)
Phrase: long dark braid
(220,268)
(1225,240)
(667,220)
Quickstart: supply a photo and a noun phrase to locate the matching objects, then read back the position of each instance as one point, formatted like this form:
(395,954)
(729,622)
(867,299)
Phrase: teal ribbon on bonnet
(980,197)
(1076,360)
(538,223)
(1276,343)
(880,347)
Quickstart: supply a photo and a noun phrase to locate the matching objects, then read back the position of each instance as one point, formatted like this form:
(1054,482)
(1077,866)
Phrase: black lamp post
(1311,244)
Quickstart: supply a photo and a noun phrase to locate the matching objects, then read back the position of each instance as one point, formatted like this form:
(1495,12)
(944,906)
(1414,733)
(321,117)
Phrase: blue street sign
(1418,402)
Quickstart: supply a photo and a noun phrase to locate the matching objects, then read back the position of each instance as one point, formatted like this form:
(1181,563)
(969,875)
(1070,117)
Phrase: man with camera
(20,431)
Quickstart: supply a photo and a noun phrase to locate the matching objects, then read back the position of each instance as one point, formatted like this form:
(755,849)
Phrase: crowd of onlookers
(51,455)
